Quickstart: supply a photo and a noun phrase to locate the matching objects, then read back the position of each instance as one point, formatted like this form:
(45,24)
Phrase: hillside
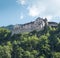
(38,24)
(9,27)
(41,44)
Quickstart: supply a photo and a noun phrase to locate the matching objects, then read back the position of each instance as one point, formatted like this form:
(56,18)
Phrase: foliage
(36,44)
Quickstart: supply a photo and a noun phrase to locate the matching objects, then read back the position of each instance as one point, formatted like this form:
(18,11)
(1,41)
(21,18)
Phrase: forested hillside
(42,44)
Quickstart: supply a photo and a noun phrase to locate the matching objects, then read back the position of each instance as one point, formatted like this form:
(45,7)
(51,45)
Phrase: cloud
(21,16)
(42,8)
(34,10)
(52,7)
(49,17)
(22,2)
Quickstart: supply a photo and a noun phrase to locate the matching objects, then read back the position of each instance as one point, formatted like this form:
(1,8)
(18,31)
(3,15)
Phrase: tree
(42,56)
(34,32)
(29,43)
(28,54)
(20,52)
(58,27)
(56,55)
(35,53)
(4,34)
(5,52)
(43,45)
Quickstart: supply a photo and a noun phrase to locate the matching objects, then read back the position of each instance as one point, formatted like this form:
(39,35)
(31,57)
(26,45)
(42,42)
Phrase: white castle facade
(37,25)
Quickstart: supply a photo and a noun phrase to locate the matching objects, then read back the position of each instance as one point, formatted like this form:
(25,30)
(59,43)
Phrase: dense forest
(36,44)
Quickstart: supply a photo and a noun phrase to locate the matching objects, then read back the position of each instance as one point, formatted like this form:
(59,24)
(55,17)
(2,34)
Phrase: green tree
(43,45)
(20,52)
(56,55)
(28,54)
(35,53)
(5,52)
(58,27)
(4,34)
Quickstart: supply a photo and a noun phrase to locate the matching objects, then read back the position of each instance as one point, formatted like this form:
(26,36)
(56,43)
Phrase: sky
(22,11)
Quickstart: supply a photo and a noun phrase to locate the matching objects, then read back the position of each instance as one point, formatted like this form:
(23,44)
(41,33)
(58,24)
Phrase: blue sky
(23,11)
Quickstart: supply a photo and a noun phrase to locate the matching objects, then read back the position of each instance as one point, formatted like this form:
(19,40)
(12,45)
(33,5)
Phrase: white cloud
(35,10)
(49,18)
(52,8)
(21,17)
(43,8)
(22,2)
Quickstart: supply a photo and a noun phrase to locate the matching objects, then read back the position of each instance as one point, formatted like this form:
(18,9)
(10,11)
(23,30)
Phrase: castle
(37,25)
